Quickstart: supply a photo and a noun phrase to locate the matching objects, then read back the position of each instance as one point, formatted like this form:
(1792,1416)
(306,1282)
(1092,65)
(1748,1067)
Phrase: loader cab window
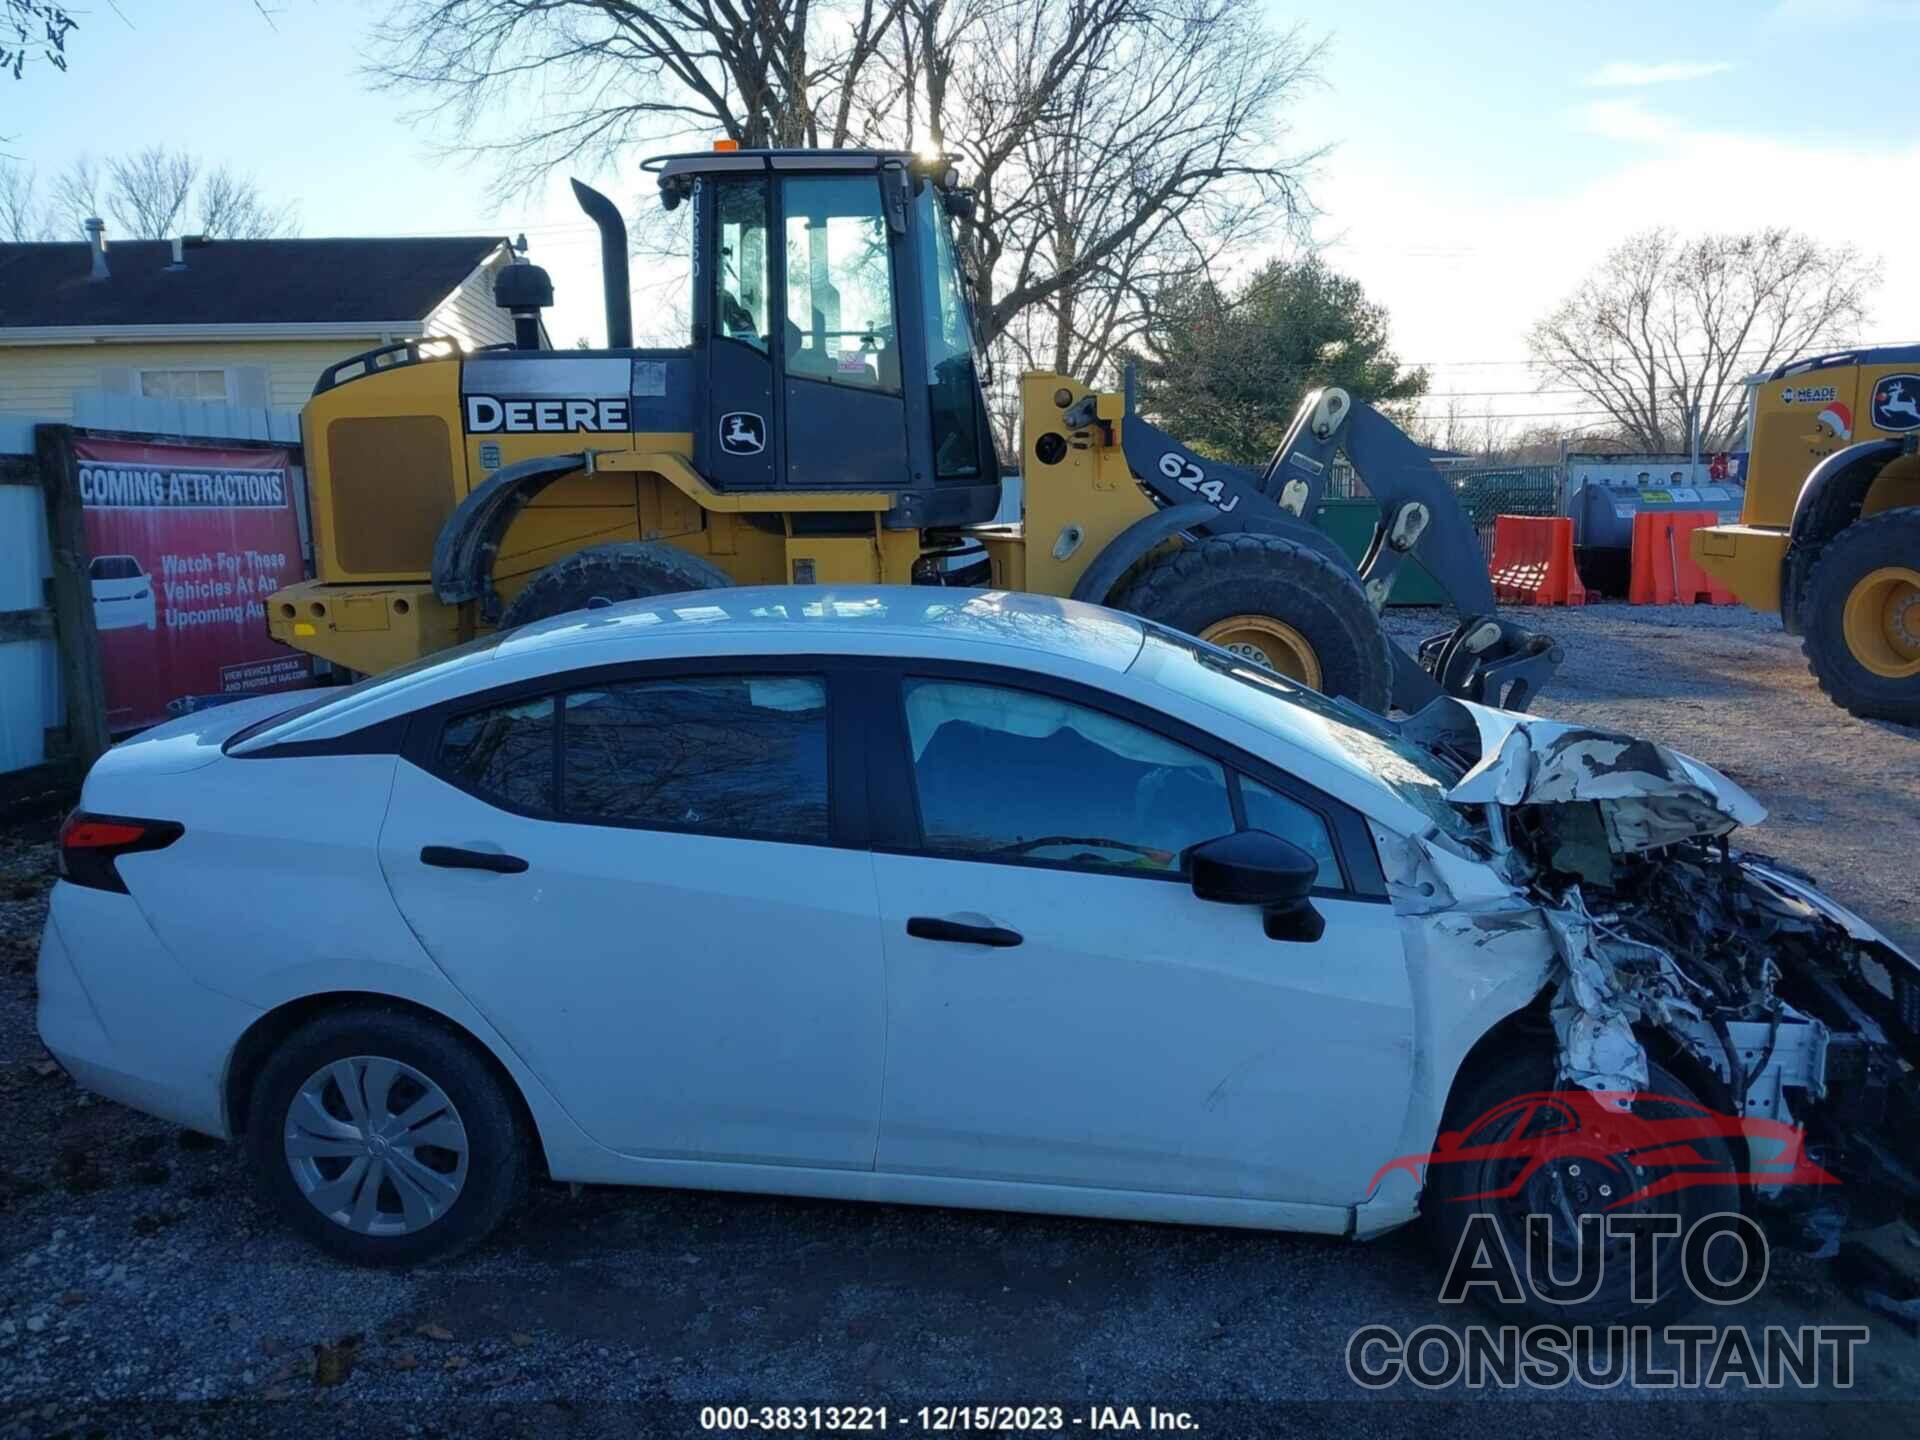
(951,390)
(840,326)
(740,309)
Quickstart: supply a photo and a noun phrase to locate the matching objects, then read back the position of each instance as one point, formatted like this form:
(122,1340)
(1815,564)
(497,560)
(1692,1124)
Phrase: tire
(632,570)
(476,1189)
(1264,578)
(1885,545)
(1448,1212)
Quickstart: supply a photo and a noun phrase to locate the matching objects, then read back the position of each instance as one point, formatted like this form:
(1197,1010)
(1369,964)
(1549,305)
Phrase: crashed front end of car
(1789,1006)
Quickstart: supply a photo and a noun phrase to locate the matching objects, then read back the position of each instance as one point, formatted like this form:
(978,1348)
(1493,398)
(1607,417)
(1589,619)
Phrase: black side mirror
(1253,867)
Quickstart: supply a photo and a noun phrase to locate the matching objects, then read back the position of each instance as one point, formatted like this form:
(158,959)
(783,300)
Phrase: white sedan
(918,895)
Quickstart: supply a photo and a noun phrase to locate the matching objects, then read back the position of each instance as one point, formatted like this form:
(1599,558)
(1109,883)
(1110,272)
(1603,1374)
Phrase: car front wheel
(385,1139)
(1481,1206)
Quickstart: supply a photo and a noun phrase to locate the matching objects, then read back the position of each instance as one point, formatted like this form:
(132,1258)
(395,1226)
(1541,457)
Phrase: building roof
(236,282)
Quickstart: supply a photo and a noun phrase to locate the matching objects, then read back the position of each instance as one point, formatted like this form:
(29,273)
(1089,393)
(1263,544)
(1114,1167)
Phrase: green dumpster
(1351,523)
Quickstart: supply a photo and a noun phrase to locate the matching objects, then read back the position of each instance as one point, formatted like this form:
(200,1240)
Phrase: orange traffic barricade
(1533,561)
(1664,572)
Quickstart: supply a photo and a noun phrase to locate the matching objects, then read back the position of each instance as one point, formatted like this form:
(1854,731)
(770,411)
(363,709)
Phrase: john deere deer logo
(742,433)
(1896,403)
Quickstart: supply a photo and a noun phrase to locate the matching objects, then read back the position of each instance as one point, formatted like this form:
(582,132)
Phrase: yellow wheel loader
(1829,535)
(826,425)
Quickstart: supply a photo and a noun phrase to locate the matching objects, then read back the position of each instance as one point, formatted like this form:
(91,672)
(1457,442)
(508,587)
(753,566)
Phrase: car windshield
(1294,712)
(116,567)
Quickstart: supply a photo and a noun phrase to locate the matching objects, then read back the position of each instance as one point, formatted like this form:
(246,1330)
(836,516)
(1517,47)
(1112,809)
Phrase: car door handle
(926,927)
(452,857)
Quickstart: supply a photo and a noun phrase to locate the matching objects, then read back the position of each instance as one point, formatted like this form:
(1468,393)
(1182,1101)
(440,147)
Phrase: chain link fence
(1484,491)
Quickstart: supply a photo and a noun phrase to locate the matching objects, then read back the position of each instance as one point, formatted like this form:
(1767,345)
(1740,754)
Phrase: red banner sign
(188,542)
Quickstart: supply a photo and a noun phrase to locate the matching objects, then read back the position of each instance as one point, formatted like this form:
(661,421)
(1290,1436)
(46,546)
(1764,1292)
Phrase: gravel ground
(144,1291)
(1726,685)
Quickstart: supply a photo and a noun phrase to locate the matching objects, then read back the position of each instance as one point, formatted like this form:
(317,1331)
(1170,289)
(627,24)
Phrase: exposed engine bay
(1674,941)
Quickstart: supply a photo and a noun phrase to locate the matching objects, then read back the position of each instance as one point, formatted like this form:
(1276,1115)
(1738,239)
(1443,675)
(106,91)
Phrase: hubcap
(1882,621)
(376,1146)
(1269,643)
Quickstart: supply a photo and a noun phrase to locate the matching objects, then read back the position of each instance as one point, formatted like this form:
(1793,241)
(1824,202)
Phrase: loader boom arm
(1483,658)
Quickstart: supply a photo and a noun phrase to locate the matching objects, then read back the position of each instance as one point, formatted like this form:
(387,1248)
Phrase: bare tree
(1663,333)
(155,193)
(76,195)
(1458,430)
(148,191)
(1116,147)
(761,71)
(30,28)
(24,216)
(1113,145)
(232,206)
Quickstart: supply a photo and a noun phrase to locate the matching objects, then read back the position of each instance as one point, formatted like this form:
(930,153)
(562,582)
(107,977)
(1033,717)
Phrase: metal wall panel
(30,698)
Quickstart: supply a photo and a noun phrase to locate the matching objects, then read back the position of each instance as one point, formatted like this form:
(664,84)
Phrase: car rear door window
(503,753)
(730,755)
(1014,775)
(1286,817)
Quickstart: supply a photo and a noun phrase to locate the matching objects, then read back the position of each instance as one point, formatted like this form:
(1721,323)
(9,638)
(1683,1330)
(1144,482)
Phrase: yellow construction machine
(826,424)
(1829,536)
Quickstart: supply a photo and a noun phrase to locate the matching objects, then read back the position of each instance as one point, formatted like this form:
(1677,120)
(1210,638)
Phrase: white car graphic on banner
(122,593)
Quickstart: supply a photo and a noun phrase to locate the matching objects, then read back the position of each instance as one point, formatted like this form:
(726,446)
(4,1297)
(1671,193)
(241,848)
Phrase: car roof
(934,621)
(834,619)
(1017,630)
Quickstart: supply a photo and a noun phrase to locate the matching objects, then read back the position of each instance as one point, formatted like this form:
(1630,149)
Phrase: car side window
(734,755)
(1286,817)
(1015,775)
(503,753)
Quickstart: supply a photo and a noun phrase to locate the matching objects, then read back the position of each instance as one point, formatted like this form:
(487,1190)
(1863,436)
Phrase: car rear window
(315,711)
(504,753)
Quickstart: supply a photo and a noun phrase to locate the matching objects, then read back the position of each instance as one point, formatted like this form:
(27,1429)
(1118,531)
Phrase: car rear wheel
(1565,1188)
(384,1139)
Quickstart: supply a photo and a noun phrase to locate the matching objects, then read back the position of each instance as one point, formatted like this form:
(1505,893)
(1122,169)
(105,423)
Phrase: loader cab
(832,328)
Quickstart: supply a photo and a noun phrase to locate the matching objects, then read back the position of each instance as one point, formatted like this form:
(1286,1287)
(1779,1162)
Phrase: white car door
(1063,1010)
(644,885)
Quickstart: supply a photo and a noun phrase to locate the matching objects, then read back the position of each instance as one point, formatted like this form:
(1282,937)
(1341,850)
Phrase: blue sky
(1484,154)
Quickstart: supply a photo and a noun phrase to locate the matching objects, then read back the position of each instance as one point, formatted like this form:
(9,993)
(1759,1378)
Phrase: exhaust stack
(96,229)
(613,263)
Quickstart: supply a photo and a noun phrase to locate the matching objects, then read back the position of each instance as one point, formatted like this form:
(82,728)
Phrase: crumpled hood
(1649,795)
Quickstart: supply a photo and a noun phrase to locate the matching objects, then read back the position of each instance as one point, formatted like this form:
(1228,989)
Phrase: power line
(1748,352)
(1474,419)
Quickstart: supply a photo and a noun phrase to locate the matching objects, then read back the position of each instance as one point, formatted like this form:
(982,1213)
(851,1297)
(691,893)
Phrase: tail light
(89,844)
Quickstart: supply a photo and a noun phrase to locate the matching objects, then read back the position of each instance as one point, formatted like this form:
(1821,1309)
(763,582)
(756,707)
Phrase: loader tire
(1279,604)
(1862,637)
(631,570)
